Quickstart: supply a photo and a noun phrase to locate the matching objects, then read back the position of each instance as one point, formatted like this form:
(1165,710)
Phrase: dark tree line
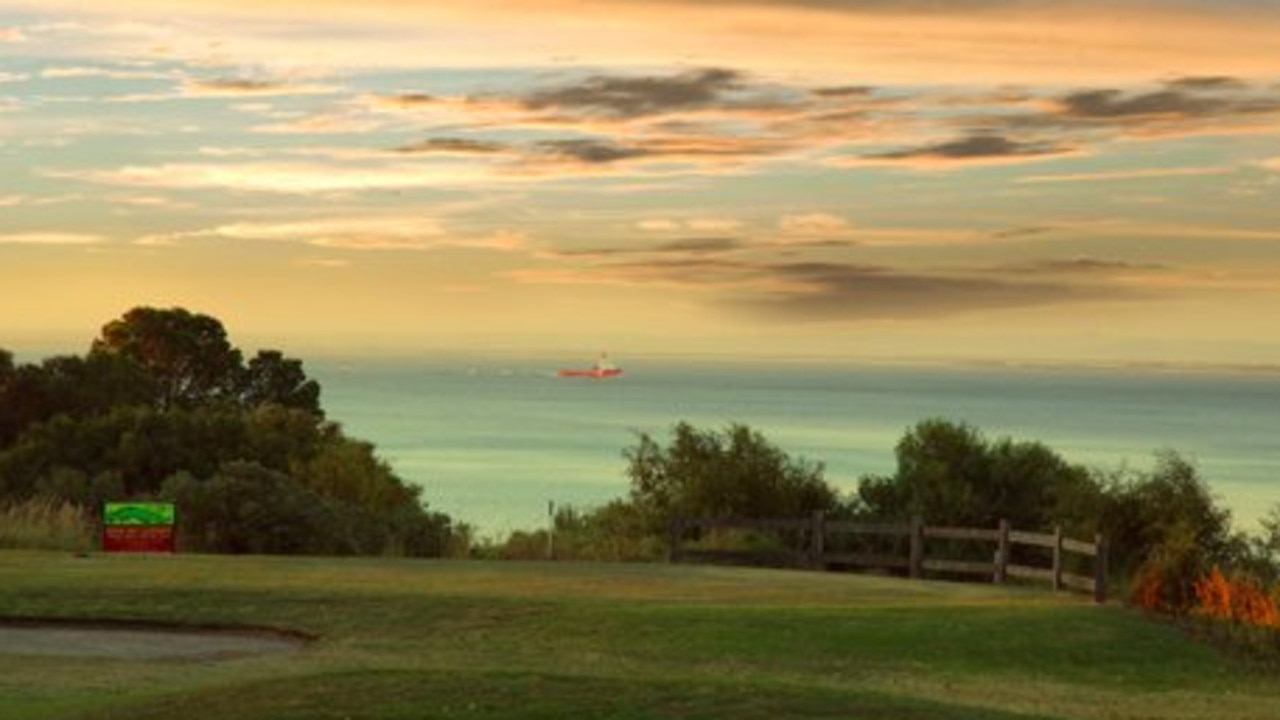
(163,406)
(947,473)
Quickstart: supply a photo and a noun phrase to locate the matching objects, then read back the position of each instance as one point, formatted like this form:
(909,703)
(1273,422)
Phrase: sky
(1017,180)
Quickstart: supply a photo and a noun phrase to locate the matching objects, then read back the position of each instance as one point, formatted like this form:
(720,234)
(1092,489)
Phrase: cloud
(813,224)
(700,246)
(1024,231)
(229,87)
(790,291)
(453,146)
(713,224)
(832,42)
(658,225)
(690,249)
(362,234)
(591,152)
(1208,82)
(972,149)
(1179,107)
(631,97)
(63,72)
(288,178)
(837,291)
(12,35)
(1083,266)
(51,238)
(844,91)
(1132,174)
(405,100)
(256,87)
(320,124)
(1112,104)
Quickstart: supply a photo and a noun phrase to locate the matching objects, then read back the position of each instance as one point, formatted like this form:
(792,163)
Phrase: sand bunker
(138,642)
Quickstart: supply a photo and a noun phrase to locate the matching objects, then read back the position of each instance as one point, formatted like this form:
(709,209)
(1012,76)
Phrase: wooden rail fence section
(818,532)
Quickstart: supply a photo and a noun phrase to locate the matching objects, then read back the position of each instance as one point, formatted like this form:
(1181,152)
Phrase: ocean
(493,441)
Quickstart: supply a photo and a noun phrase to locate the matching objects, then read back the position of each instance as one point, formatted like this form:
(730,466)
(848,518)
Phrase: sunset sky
(1057,180)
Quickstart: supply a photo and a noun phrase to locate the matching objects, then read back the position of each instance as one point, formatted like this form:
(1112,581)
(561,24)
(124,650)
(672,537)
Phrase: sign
(138,527)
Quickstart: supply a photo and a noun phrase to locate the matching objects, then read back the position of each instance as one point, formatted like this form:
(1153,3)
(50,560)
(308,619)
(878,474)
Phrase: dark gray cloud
(236,85)
(1087,116)
(701,245)
(844,91)
(1182,98)
(1022,232)
(592,152)
(408,99)
(1114,104)
(463,146)
(1208,82)
(798,291)
(631,97)
(975,147)
(1082,266)
(834,291)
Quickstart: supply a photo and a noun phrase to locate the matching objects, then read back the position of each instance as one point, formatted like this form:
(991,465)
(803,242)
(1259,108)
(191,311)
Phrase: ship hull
(590,372)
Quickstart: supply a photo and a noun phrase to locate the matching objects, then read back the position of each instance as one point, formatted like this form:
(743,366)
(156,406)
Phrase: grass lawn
(427,639)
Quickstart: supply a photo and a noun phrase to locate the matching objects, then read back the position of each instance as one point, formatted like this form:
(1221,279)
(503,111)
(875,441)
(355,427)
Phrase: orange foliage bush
(1162,586)
(1213,595)
(1239,599)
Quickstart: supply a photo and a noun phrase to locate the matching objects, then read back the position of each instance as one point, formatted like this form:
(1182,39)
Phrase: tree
(273,379)
(1166,512)
(349,471)
(735,473)
(949,474)
(187,354)
(70,385)
(942,467)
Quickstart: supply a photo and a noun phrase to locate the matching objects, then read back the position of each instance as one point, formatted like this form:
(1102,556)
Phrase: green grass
(414,639)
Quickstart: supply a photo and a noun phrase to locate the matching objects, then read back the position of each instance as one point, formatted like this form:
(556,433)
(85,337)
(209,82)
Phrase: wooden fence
(905,547)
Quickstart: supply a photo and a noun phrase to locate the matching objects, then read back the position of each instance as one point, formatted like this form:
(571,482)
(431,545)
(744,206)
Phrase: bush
(247,508)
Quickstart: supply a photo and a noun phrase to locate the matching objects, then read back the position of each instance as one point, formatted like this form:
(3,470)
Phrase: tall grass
(45,524)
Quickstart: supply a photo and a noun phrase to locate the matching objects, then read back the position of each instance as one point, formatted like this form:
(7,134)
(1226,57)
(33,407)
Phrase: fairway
(436,639)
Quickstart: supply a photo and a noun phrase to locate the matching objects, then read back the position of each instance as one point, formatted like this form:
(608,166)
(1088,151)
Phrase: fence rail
(818,548)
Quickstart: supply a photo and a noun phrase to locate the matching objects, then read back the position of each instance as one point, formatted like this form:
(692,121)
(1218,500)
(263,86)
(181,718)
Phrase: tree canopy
(734,473)
(949,473)
(186,354)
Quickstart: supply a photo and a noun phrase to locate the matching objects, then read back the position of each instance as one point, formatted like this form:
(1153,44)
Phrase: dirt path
(138,643)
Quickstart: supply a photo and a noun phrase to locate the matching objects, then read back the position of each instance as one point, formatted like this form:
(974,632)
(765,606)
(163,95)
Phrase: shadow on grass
(439,695)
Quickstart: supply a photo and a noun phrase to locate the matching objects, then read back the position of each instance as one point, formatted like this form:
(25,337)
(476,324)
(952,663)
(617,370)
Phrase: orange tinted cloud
(1006,41)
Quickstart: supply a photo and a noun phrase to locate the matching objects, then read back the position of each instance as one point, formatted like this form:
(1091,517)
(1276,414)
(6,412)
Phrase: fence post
(917,548)
(1002,553)
(675,535)
(817,539)
(1057,558)
(1100,569)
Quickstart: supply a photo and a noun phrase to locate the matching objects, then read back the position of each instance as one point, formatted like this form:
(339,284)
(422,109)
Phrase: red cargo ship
(601,369)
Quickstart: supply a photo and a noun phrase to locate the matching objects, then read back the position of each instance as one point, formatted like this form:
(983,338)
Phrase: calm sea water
(492,441)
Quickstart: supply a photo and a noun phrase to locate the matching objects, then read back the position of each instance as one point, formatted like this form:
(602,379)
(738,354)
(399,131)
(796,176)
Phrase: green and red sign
(138,527)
